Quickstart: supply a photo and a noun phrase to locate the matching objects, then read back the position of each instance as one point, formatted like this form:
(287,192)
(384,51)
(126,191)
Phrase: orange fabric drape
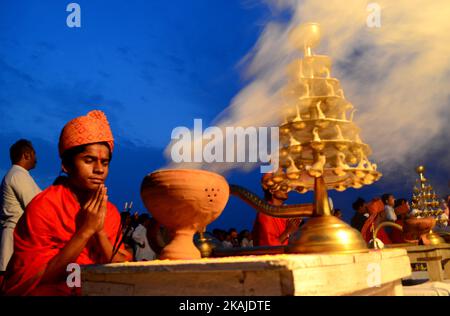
(376,211)
(267,230)
(49,222)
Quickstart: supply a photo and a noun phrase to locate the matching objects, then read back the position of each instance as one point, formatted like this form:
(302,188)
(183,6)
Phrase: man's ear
(64,169)
(26,155)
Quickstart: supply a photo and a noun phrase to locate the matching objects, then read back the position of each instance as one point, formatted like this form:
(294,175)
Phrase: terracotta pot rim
(160,171)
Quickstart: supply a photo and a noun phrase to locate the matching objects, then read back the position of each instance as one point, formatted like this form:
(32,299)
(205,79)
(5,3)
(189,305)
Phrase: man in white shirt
(143,251)
(389,202)
(17,190)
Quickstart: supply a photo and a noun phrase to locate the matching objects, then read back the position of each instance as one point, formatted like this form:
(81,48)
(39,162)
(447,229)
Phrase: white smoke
(397,76)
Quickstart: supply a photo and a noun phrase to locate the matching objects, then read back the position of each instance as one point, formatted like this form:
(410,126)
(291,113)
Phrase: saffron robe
(267,230)
(376,211)
(48,224)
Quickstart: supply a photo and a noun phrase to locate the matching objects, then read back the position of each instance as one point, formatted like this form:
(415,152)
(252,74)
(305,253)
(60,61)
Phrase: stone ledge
(428,289)
(286,274)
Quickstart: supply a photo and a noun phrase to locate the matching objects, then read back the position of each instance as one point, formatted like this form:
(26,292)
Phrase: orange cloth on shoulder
(376,209)
(267,230)
(48,224)
(91,128)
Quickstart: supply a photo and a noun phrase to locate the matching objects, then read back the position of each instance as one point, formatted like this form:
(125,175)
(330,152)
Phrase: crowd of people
(369,215)
(232,239)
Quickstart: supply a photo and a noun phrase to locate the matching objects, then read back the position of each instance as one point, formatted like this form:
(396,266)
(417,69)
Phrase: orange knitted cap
(83,130)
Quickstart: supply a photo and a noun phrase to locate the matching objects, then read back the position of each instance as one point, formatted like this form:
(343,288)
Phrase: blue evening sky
(151,65)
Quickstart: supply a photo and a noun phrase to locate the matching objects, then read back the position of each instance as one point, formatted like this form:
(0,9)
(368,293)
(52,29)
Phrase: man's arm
(291,227)
(94,215)
(107,249)
(56,268)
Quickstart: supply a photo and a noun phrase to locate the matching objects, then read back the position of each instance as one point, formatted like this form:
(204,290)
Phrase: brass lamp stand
(320,147)
(324,232)
(426,204)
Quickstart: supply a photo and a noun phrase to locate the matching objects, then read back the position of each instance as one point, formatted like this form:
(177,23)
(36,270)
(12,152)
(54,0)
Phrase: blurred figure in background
(233,237)
(402,209)
(273,231)
(158,236)
(226,243)
(143,251)
(338,213)
(127,231)
(389,203)
(361,214)
(18,189)
(245,239)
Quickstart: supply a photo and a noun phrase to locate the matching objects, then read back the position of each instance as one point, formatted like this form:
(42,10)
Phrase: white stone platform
(431,288)
(272,275)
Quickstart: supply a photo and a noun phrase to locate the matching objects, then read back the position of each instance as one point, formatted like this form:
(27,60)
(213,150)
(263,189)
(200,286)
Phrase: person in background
(389,203)
(273,231)
(220,234)
(402,209)
(226,243)
(361,214)
(17,190)
(127,231)
(375,209)
(158,236)
(445,206)
(443,225)
(135,220)
(245,239)
(233,237)
(338,213)
(143,251)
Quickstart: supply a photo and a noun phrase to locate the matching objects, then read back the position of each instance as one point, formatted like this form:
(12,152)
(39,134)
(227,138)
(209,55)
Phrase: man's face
(30,158)
(33,161)
(391,200)
(363,208)
(280,195)
(90,168)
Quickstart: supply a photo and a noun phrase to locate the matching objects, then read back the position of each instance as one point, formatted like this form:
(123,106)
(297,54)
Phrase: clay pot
(184,201)
(416,227)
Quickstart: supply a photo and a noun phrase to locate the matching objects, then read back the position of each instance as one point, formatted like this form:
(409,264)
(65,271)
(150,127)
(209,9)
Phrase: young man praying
(273,231)
(72,221)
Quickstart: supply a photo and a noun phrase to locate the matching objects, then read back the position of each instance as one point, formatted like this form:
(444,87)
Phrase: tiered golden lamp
(320,147)
(425,204)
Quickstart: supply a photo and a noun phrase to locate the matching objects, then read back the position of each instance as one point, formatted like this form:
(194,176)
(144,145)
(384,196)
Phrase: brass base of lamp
(328,234)
(434,239)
